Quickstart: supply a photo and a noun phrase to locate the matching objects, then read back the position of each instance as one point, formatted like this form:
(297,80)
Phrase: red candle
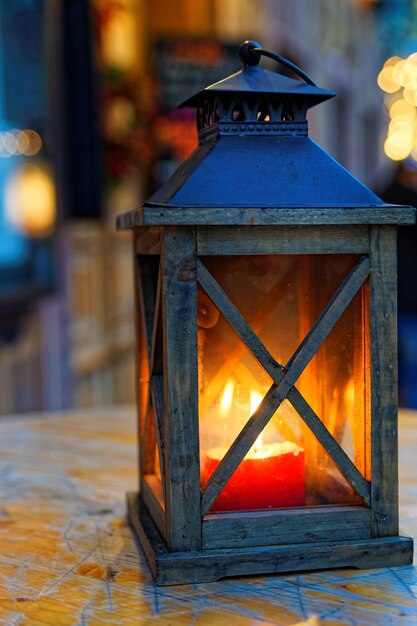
(273,477)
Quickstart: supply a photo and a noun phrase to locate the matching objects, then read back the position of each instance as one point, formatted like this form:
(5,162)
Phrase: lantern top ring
(250,53)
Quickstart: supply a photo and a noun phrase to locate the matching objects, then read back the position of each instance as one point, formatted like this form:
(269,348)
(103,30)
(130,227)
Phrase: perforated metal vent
(251,113)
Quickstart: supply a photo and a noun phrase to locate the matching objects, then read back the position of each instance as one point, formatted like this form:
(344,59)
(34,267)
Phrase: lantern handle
(250,53)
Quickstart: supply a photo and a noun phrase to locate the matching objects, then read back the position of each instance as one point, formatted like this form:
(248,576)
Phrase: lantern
(266,298)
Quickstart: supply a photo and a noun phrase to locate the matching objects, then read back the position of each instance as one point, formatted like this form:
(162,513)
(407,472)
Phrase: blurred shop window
(184,66)
(27,187)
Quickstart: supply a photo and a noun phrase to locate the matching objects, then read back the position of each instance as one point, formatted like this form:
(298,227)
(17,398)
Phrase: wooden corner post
(179,321)
(384,393)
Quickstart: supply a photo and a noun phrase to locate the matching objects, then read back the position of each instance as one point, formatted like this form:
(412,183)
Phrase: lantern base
(176,568)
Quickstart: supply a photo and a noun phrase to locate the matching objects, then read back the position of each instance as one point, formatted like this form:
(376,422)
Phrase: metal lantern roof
(264,171)
(261,163)
(254,154)
(254,79)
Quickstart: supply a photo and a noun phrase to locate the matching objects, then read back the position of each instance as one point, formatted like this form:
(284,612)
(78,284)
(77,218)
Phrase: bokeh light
(15,142)
(398,79)
(10,143)
(386,80)
(30,201)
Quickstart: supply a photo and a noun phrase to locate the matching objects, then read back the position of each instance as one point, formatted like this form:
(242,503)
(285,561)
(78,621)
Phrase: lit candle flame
(227,398)
(255,401)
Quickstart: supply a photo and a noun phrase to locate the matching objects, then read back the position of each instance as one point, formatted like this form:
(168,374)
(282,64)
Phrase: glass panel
(265,290)
(334,382)
(231,383)
(280,297)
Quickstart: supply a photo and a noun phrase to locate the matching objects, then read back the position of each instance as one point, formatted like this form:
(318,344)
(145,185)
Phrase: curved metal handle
(250,53)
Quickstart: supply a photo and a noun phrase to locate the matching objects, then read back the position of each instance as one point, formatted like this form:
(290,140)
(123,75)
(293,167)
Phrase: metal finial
(246,54)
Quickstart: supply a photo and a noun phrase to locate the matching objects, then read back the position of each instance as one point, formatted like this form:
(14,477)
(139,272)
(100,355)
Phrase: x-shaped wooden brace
(284,380)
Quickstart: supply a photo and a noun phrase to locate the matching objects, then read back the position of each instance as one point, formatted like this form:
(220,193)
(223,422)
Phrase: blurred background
(88,130)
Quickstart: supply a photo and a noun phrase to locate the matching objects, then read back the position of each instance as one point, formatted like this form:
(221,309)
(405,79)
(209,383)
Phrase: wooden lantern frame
(257,185)
(182,540)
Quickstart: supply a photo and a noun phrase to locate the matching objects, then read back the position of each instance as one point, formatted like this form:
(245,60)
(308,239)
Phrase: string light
(398,78)
(15,142)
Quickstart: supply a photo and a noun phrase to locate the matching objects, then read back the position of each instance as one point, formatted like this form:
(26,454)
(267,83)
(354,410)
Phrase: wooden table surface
(67,556)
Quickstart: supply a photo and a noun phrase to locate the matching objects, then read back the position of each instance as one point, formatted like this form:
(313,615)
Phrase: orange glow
(227,398)
(255,401)
(232,384)
(30,201)
(119,45)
